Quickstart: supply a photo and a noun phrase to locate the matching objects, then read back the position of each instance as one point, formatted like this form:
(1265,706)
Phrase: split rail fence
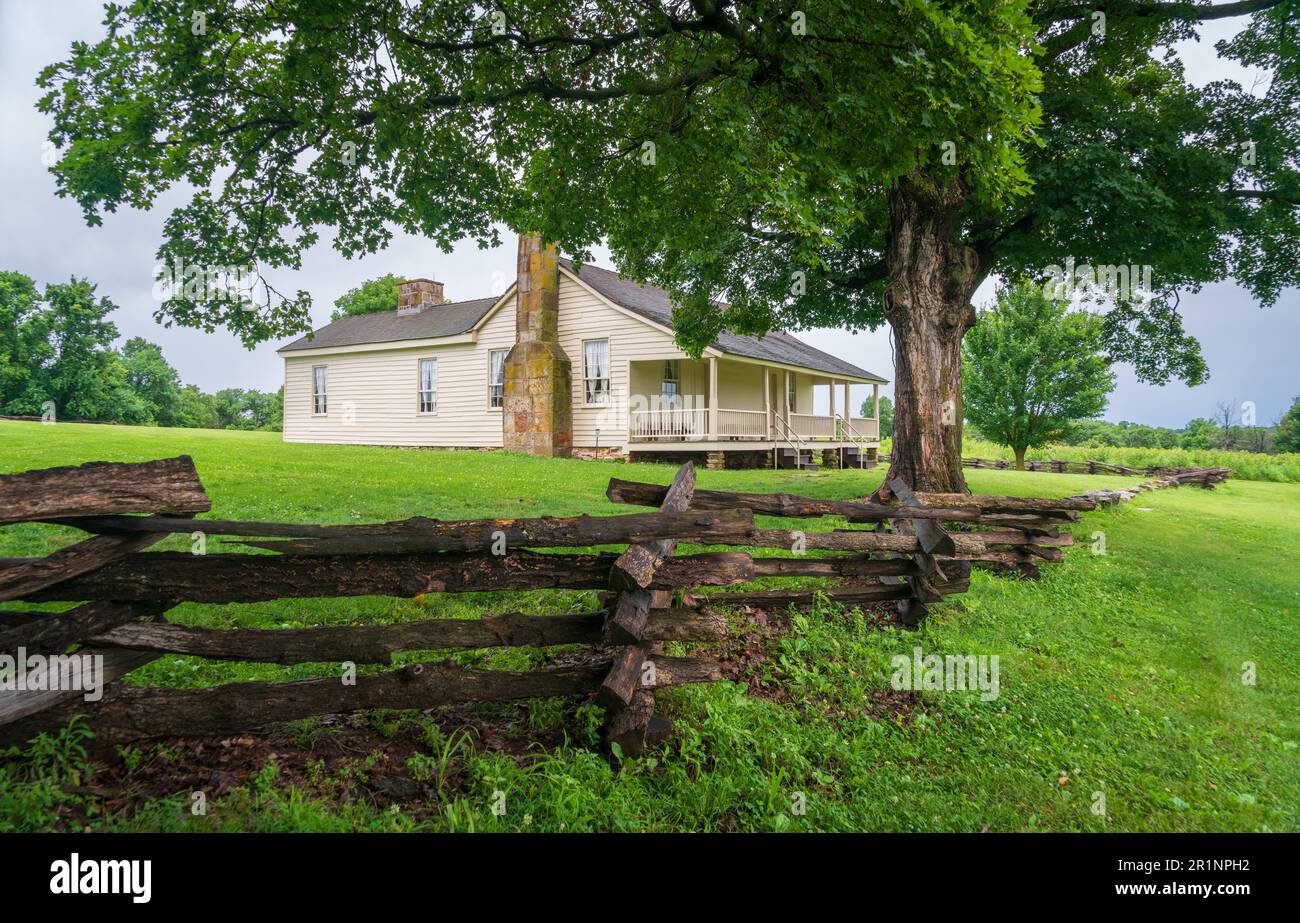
(1183,475)
(649,595)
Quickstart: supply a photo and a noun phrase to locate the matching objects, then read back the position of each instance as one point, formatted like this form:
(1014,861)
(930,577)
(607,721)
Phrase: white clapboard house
(441,373)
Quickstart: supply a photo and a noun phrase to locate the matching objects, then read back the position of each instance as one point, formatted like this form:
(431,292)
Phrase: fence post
(630,722)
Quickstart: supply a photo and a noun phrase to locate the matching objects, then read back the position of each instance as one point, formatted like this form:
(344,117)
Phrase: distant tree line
(1201,433)
(57,353)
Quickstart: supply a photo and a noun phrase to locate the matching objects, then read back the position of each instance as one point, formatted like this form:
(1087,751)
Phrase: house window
(497,377)
(595,370)
(790,393)
(318,389)
(670,385)
(428,385)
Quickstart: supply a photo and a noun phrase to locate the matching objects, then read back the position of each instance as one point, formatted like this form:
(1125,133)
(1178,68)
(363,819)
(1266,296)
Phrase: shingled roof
(444,320)
(648,301)
(654,304)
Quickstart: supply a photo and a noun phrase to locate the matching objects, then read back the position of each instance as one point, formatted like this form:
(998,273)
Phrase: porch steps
(855,458)
(787,457)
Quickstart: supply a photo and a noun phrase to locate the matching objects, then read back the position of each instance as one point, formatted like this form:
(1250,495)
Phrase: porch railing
(813,426)
(693,423)
(675,423)
(748,424)
(862,428)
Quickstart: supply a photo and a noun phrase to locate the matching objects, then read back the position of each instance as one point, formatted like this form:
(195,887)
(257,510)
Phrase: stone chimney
(538,404)
(415,295)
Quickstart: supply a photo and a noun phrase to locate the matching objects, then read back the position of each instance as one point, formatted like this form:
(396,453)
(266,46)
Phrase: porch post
(875,402)
(833,403)
(713,398)
(848,402)
(767,403)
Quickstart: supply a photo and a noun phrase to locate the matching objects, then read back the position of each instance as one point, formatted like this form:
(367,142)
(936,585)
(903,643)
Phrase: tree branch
(1273,195)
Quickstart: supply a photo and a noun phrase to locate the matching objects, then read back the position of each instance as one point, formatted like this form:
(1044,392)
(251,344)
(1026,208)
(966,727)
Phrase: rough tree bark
(927,303)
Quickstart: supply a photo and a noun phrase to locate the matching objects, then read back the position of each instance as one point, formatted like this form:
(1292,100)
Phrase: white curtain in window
(318,389)
(428,385)
(596,370)
(497,378)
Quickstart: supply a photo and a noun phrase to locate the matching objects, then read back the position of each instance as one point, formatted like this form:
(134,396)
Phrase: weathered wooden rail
(1001,533)
(650,594)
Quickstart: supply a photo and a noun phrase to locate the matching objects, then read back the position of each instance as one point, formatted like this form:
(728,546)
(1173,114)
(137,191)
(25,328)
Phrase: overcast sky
(1250,351)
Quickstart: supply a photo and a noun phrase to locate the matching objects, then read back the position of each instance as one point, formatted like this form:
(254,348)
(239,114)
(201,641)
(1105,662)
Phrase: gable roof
(646,301)
(656,305)
(444,320)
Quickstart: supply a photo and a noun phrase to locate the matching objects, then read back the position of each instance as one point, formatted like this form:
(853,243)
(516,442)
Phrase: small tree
(1287,438)
(370,297)
(1033,368)
(1199,434)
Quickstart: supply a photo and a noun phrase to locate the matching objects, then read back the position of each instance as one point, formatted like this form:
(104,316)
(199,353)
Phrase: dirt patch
(742,656)
(898,706)
(342,758)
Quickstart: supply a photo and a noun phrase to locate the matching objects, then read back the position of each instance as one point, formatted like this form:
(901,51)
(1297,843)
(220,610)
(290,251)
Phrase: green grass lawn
(1120,674)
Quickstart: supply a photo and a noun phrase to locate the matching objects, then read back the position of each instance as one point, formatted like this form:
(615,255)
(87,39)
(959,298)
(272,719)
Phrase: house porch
(747,410)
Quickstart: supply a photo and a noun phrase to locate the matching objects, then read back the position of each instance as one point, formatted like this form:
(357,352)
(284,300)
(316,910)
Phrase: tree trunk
(927,303)
(1020,456)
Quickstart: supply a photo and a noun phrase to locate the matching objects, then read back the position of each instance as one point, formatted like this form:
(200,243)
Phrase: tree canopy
(1033,369)
(748,135)
(832,163)
(370,297)
(62,358)
(154,382)
(757,139)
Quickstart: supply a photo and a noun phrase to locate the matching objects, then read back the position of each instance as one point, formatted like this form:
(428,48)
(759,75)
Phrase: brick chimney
(538,404)
(415,295)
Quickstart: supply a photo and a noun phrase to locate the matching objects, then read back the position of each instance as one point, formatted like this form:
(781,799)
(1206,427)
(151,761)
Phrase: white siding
(373,396)
(740,385)
(584,316)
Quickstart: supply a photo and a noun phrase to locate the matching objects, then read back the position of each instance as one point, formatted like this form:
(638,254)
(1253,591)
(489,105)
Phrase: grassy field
(1247,466)
(1120,675)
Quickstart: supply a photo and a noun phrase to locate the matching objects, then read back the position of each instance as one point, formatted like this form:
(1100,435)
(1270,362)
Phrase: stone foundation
(715,461)
(602,454)
(669,458)
(749,459)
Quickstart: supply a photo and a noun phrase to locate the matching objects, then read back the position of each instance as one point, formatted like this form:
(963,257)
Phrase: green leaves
(371,297)
(719,152)
(1031,369)
(772,147)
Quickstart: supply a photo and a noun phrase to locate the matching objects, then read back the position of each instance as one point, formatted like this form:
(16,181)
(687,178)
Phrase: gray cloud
(1250,351)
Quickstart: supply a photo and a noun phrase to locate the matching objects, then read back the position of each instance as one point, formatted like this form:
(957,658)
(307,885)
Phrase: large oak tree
(824,163)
